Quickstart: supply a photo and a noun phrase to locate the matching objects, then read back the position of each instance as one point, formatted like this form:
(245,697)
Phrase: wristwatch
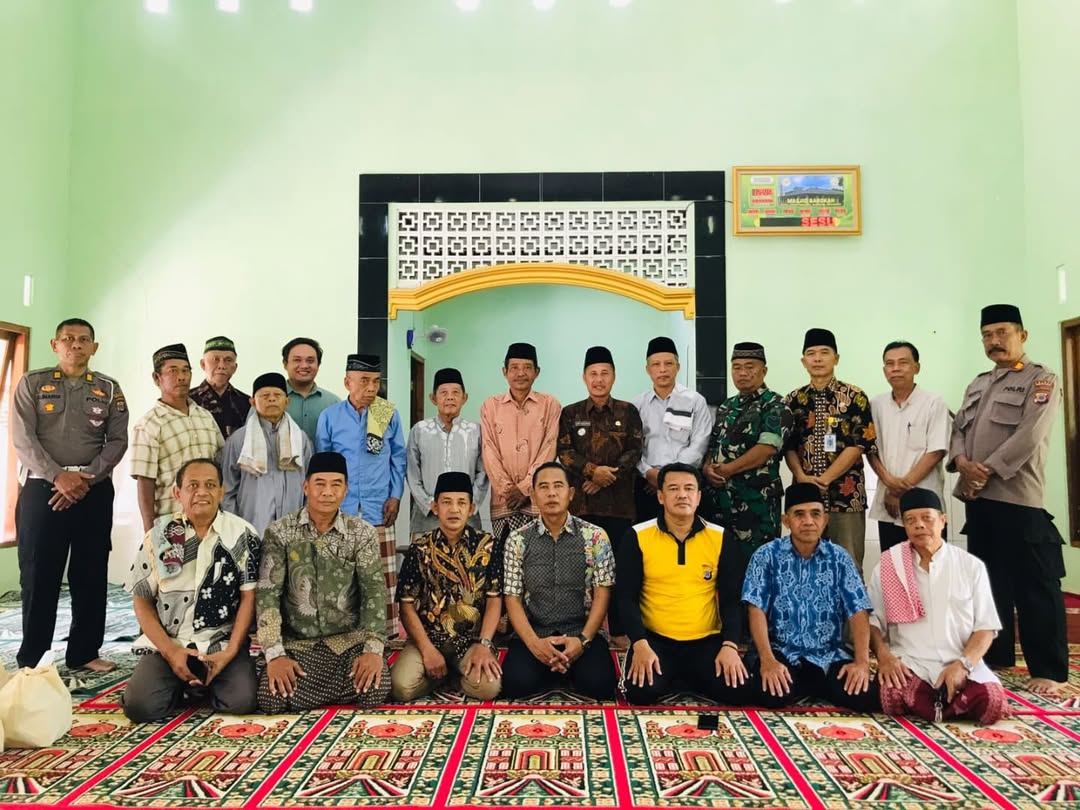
(585,642)
(970,667)
(488,644)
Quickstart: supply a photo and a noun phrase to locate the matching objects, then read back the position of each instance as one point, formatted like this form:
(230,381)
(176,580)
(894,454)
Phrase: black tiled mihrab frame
(704,188)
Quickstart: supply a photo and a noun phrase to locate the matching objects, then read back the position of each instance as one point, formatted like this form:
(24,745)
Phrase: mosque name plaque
(797,200)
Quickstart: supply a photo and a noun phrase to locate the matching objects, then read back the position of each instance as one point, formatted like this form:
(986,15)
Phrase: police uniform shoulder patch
(1043,387)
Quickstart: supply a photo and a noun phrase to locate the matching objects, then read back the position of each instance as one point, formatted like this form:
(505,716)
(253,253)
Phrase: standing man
(912,426)
(559,574)
(266,458)
(301,358)
(679,582)
(320,602)
(366,430)
(174,431)
(742,469)
(519,431)
(227,405)
(831,429)
(600,442)
(443,443)
(69,428)
(676,424)
(999,444)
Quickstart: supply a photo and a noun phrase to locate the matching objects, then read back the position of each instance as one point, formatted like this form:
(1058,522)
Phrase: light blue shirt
(806,601)
(373,477)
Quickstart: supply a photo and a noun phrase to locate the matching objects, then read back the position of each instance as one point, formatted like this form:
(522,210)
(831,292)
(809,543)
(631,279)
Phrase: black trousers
(46,539)
(1022,551)
(645,502)
(691,664)
(811,681)
(890,534)
(592,675)
(615,528)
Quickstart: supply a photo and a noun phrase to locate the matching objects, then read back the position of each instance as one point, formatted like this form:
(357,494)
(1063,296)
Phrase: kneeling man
(801,589)
(559,571)
(193,583)
(933,621)
(678,581)
(321,602)
(450,591)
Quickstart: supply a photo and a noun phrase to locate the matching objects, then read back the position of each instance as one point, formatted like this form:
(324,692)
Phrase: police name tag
(830,443)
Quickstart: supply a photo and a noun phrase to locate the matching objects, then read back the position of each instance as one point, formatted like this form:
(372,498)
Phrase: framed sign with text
(803,200)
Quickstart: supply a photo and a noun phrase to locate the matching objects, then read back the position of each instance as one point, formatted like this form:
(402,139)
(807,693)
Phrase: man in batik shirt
(559,574)
(321,602)
(742,466)
(600,441)
(801,592)
(832,427)
(450,592)
(216,394)
(193,586)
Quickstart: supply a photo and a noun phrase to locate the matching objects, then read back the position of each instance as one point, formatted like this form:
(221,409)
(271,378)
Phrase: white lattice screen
(652,241)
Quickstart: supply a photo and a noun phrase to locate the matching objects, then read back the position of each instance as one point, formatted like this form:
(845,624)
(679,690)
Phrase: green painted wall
(37,48)
(562,322)
(1049,63)
(212,150)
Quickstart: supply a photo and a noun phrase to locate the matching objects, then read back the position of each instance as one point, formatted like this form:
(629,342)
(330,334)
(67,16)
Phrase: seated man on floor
(450,592)
(558,575)
(801,589)
(678,581)
(321,602)
(193,584)
(933,621)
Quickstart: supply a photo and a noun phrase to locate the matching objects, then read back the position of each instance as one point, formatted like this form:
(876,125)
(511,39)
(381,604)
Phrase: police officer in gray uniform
(69,430)
(999,443)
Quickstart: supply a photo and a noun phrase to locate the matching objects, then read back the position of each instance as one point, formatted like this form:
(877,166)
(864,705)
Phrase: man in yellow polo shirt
(678,584)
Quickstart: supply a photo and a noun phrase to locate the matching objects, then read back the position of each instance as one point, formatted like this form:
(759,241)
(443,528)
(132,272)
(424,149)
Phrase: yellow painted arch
(512,275)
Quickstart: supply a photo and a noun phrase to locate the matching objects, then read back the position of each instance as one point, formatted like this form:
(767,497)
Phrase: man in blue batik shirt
(366,429)
(800,590)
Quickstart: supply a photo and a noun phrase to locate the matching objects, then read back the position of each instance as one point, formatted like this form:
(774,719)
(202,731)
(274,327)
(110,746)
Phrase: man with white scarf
(264,461)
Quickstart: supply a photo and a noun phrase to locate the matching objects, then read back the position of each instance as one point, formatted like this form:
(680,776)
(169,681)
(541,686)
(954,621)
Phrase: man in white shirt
(676,423)
(444,443)
(913,428)
(933,620)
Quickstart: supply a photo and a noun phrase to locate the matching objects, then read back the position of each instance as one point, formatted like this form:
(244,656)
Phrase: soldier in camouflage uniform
(742,466)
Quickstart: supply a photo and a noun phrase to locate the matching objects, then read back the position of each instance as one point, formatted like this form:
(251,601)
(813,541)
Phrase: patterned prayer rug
(557,750)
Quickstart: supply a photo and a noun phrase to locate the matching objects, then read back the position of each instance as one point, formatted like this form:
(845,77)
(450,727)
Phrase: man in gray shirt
(444,443)
(999,443)
(265,460)
(677,424)
(69,428)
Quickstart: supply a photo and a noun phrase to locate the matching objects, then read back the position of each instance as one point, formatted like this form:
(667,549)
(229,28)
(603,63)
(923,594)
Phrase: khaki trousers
(409,681)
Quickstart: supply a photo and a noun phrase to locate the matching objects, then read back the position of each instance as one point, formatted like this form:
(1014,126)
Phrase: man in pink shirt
(519,430)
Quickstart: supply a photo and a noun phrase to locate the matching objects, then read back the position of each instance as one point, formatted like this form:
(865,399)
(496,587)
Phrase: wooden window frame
(17,357)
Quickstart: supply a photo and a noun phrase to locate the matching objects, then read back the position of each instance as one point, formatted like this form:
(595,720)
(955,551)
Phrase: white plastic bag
(35,706)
